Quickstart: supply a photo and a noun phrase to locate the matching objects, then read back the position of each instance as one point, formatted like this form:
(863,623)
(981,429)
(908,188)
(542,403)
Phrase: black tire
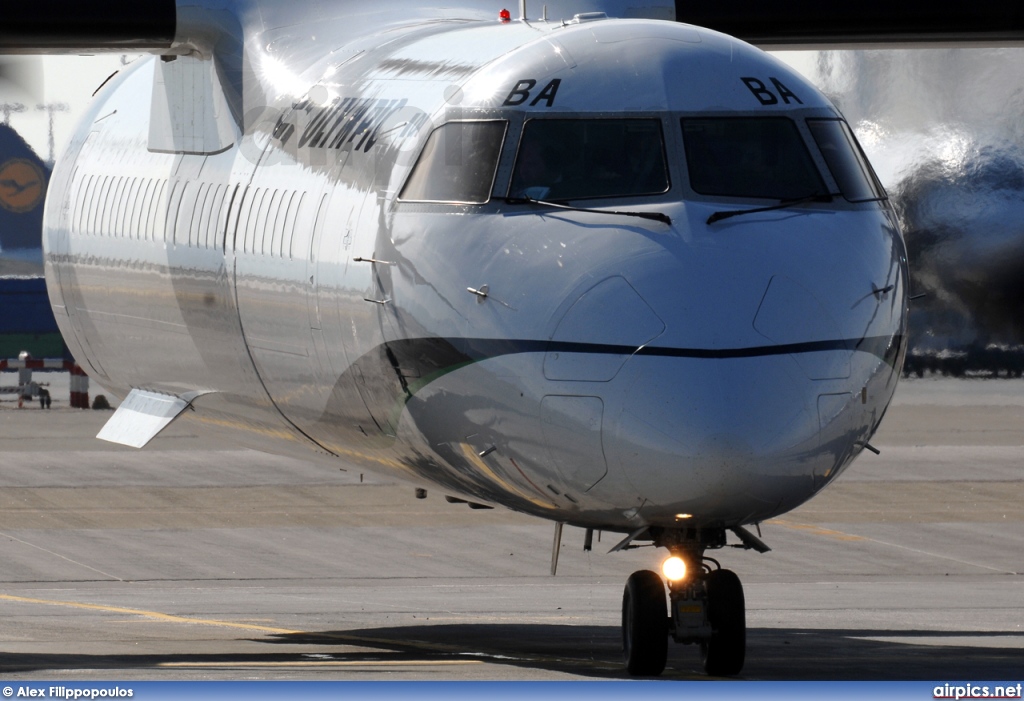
(724,653)
(644,624)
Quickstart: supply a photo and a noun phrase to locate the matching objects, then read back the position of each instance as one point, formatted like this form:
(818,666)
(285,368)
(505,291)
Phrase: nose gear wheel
(723,653)
(644,624)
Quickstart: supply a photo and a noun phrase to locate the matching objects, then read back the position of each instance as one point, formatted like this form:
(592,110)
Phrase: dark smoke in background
(944,128)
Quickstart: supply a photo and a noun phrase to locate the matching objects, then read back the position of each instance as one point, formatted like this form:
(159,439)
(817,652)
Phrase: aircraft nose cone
(721,439)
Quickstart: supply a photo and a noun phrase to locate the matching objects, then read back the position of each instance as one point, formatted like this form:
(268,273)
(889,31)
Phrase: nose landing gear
(706,608)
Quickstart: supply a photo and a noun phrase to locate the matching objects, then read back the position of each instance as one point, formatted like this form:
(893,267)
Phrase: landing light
(674,568)
(680,517)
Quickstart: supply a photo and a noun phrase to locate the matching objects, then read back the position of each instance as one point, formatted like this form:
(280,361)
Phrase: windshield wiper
(823,197)
(655,216)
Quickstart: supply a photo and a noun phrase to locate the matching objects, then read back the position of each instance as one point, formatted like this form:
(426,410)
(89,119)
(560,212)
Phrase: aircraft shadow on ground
(594,651)
(772,653)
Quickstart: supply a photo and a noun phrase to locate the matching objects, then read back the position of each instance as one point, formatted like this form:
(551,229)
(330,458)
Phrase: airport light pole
(9,108)
(50,109)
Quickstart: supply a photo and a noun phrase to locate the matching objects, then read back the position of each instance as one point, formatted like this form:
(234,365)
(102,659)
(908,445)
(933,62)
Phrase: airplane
(27,322)
(588,262)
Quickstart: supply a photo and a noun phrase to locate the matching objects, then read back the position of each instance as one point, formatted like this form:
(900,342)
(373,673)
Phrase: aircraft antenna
(522,10)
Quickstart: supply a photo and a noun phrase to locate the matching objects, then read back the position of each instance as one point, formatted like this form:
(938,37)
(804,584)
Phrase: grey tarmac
(194,560)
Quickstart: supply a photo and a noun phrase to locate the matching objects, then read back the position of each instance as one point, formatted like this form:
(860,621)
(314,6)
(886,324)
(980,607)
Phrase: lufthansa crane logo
(21,185)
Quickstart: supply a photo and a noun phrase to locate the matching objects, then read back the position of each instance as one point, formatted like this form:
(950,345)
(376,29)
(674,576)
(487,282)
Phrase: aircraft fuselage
(501,271)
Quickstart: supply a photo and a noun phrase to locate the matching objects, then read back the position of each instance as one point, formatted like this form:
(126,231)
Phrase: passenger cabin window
(288,225)
(576,159)
(117,220)
(133,219)
(755,157)
(83,214)
(215,215)
(161,212)
(457,165)
(106,203)
(153,209)
(845,160)
(194,231)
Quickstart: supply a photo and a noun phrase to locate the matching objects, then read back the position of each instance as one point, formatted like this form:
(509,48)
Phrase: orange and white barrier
(79,388)
(79,380)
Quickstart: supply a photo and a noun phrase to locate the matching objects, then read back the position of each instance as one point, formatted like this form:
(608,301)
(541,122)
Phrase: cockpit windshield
(458,164)
(845,160)
(755,157)
(575,159)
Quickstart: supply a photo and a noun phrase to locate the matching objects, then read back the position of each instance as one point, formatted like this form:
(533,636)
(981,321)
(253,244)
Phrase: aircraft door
(271,289)
(61,250)
(58,237)
(318,346)
(383,382)
(343,300)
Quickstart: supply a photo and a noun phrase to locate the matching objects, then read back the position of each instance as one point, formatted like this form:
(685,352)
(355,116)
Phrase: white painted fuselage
(304,288)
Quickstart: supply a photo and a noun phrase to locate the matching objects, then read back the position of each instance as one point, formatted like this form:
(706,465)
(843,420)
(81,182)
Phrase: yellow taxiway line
(351,639)
(156,615)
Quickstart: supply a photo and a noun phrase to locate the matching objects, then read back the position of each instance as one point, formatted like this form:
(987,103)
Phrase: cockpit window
(758,157)
(845,160)
(458,164)
(576,159)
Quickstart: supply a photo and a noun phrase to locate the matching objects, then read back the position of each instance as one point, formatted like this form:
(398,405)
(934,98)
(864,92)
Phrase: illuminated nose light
(674,568)
(681,517)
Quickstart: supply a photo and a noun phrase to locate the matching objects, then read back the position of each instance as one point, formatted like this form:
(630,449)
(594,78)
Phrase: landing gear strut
(705,607)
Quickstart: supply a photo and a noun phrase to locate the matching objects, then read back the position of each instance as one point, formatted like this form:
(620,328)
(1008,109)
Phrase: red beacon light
(505,16)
